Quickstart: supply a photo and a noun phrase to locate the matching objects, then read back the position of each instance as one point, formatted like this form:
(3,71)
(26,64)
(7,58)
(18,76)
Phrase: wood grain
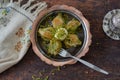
(104,52)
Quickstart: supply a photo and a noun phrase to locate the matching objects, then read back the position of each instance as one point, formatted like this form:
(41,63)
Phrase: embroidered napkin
(15,26)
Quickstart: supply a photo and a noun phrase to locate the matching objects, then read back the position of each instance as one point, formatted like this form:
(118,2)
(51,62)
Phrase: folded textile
(15,26)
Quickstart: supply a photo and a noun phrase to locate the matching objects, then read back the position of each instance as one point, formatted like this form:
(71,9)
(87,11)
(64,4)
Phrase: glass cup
(111,24)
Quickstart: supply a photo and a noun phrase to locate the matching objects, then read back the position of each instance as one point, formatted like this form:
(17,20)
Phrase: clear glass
(115,23)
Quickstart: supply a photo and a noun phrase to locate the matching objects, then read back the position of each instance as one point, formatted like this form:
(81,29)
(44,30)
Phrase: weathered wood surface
(104,52)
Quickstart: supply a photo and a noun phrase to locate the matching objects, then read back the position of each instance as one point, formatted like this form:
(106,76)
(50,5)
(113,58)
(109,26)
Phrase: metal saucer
(111,24)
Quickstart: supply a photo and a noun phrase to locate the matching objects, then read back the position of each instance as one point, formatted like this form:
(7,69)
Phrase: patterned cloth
(15,26)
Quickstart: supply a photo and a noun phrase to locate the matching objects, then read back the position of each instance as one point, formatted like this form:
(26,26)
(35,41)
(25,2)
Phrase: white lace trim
(25,9)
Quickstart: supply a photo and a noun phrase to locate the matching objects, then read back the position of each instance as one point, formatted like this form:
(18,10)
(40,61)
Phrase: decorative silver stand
(111,24)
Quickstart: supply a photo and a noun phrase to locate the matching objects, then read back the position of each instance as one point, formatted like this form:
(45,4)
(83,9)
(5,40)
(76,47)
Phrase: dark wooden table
(104,52)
